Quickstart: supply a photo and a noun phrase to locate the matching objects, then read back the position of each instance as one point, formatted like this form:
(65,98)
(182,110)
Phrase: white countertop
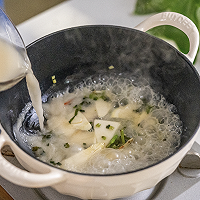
(83,12)
(79,12)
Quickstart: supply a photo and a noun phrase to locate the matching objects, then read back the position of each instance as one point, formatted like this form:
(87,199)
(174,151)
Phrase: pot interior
(78,53)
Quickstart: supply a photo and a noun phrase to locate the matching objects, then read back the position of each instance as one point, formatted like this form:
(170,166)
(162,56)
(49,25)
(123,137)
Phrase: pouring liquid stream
(14,66)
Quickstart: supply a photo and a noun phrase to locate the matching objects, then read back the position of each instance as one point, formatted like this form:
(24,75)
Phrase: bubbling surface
(155,131)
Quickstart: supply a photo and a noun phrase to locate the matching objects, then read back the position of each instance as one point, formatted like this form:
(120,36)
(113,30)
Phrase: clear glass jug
(14,62)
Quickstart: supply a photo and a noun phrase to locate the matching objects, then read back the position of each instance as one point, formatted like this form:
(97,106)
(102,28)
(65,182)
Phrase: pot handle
(21,177)
(179,21)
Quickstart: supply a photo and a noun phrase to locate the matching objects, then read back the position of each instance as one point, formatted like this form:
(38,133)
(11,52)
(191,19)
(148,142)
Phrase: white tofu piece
(90,112)
(127,112)
(102,107)
(80,137)
(102,133)
(79,121)
(82,157)
(59,125)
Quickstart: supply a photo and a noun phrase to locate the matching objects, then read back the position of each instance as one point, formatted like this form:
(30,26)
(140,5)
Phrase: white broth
(108,127)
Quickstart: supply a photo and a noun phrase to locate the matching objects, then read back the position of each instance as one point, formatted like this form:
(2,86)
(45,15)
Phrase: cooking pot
(77,53)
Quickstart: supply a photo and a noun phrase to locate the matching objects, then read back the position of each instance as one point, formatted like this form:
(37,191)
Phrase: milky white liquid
(35,94)
(13,64)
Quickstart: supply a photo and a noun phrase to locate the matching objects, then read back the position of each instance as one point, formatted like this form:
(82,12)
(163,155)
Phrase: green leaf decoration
(189,8)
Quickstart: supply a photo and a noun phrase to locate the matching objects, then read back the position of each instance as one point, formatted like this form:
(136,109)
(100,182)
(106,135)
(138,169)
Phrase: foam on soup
(105,126)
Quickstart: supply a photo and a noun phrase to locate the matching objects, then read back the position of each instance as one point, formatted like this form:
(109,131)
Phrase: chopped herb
(48,144)
(105,98)
(110,127)
(139,109)
(92,128)
(91,95)
(82,103)
(54,163)
(38,150)
(122,136)
(66,145)
(144,100)
(70,121)
(95,96)
(86,103)
(78,108)
(148,108)
(58,163)
(161,121)
(84,143)
(98,125)
(114,138)
(48,136)
(76,112)
(35,148)
(126,138)
(144,107)
(118,142)
(111,67)
(103,137)
(53,79)
(91,124)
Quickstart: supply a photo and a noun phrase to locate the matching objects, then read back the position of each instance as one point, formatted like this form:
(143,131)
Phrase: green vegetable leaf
(45,137)
(66,145)
(151,6)
(122,136)
(112,141)
(78,108)
(103,137)
(190,9)
(110,127)
(118,141)
(54,163)
(95,96)
(35,148)
(98,125)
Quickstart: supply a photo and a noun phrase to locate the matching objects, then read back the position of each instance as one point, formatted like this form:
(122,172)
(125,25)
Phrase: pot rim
(132,29)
